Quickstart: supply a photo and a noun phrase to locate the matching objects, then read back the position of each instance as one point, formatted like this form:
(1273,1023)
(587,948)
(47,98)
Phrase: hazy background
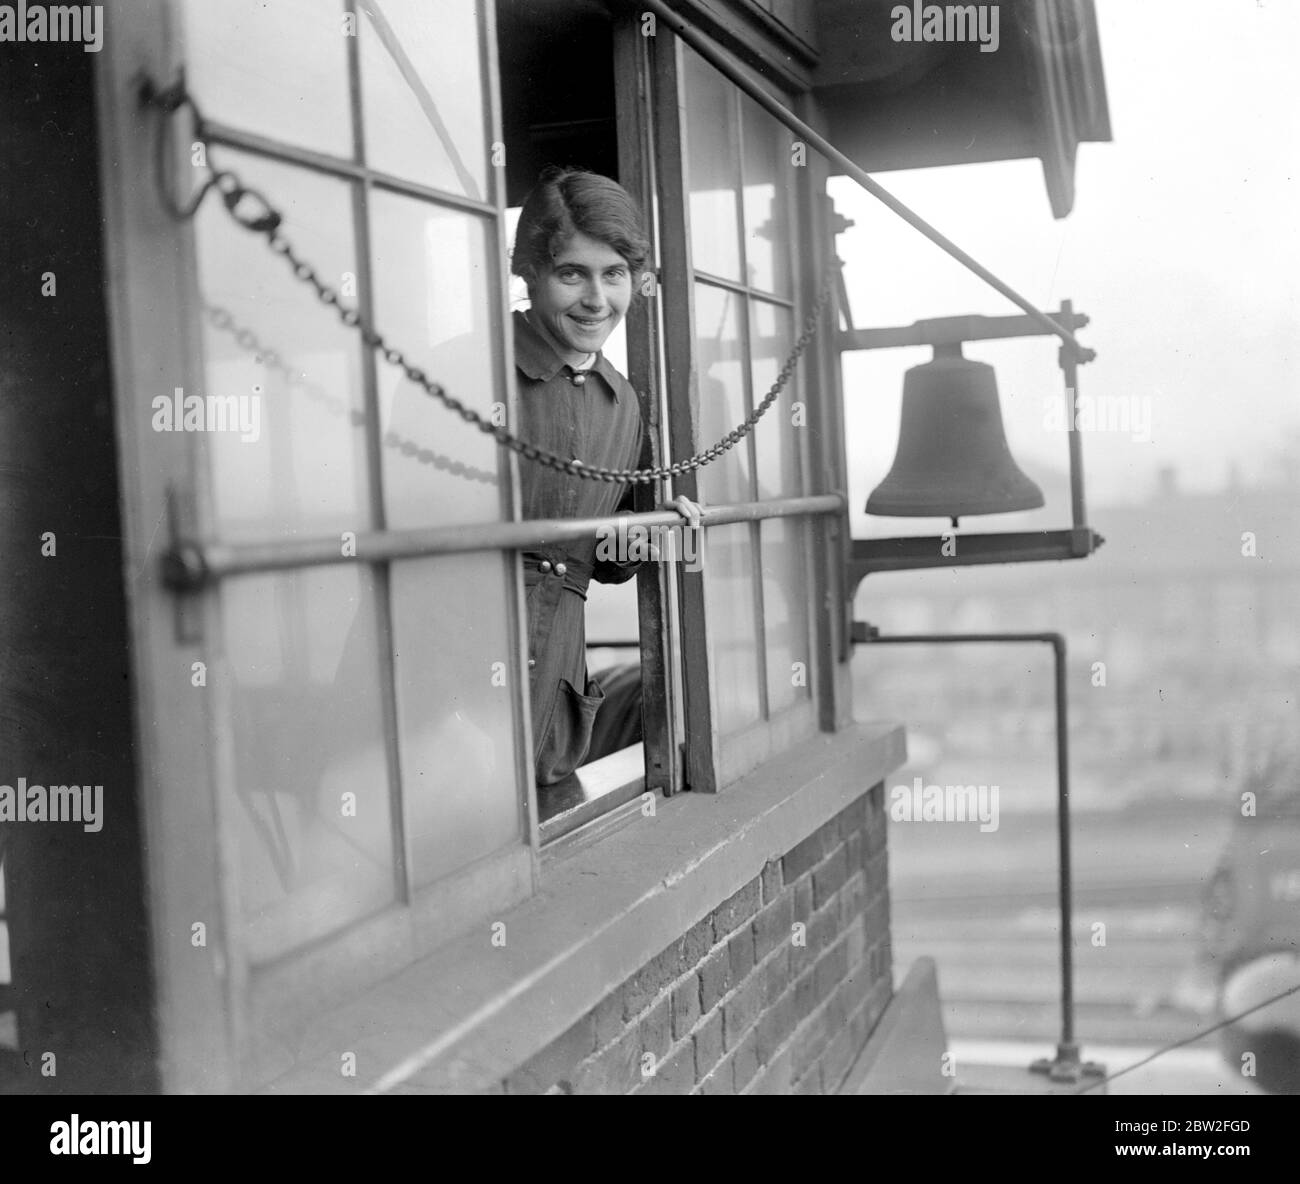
(1183,247)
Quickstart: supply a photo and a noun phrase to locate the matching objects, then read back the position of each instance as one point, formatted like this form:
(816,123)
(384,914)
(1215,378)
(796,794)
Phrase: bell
(952,454)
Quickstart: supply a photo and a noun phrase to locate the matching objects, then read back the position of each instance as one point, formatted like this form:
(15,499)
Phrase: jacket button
(560,569)
(531,663)
(545,565)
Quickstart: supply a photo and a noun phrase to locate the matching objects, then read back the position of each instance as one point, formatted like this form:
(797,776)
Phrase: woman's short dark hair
(569,201)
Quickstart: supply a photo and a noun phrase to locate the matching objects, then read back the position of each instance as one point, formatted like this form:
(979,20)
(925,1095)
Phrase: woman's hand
(687,509)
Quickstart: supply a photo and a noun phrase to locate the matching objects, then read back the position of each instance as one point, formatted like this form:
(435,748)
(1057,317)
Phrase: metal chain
(222,319)
(262,218)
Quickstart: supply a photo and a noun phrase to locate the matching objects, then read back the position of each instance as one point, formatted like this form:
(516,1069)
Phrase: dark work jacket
(598,423)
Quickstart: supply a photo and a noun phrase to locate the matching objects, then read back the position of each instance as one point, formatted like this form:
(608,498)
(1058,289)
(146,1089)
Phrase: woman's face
(584,296)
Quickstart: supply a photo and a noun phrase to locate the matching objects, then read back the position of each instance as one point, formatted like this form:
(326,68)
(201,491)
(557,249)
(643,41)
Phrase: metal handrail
(1068,1065)
(188,565)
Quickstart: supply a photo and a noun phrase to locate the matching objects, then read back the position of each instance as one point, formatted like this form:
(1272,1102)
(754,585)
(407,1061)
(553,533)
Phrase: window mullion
(751,442)
(375,488)
(683,399)
(655,626)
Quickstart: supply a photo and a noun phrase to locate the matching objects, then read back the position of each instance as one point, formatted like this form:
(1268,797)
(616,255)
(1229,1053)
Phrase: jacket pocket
(567,735)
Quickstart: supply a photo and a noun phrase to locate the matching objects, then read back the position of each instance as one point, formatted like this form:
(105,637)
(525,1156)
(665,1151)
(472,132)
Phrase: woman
(581,250)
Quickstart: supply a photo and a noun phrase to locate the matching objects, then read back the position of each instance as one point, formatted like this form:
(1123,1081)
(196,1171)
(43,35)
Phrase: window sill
(461,1020)
(590,791)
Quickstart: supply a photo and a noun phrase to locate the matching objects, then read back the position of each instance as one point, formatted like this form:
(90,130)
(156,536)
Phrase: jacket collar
(536,357)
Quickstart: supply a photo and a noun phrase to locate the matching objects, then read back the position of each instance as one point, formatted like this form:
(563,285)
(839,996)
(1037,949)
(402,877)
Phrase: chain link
(251,210)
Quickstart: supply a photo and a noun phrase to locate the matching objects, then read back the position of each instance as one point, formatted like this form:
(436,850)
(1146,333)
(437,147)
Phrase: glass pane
(785,613)
(279,69)
(422,93)
(778,438)
(722,392)
(712,168)
(307,799)
(456,709)
(432,299)
(768,196)
(6,972)
(286,459)
(733,632)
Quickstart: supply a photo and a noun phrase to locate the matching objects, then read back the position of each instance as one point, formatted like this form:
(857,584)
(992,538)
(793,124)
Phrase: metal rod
(956,330)
(706,49)
(914,552)
(1070,368)
(1067,1053)
(1067,1047)
(336,166)
(189,565)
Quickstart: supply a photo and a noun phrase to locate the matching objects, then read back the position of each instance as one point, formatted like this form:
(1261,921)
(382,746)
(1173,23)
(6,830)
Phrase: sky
(1183,247)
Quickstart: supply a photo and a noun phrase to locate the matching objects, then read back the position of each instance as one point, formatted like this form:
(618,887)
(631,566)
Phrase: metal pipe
(1070,368)
(190,565)
(706,49)
(1067,1066)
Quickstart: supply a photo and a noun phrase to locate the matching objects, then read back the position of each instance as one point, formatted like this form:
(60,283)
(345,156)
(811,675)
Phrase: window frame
(715,760)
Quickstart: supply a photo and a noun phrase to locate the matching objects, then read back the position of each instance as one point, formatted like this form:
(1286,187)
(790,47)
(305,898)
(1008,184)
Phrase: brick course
(734,1004)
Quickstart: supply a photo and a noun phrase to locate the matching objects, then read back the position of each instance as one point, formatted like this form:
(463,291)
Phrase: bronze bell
(952,454)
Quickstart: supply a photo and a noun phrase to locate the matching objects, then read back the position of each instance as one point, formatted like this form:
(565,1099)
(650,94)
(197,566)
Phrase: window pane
(432,299)
(422,93)
(778,437)
(289,460)
(456,709)
(722,392)
(712,168)
(785,613)
(733,632)
(279,69)
(769,186)
(307,798)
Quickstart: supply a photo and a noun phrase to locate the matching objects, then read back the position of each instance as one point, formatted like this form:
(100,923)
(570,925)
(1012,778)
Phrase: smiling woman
(581,249)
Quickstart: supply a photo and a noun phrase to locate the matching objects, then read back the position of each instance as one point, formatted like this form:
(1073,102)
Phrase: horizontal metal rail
(707,50)
(188,566)
(911,552)
(956,331)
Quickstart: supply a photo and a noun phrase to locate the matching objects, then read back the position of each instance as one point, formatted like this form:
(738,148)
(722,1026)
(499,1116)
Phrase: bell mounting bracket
(909,553)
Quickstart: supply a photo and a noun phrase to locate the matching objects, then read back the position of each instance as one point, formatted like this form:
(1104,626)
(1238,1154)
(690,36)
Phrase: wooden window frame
(714,760)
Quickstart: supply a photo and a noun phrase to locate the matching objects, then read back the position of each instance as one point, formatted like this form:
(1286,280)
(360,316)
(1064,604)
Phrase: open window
(745,245)
(725,646)
(572,73)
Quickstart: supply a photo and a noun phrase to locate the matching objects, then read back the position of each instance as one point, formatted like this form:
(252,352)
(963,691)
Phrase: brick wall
(775,991)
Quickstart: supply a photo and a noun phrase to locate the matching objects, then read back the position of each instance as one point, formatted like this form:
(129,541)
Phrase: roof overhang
(894,103)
